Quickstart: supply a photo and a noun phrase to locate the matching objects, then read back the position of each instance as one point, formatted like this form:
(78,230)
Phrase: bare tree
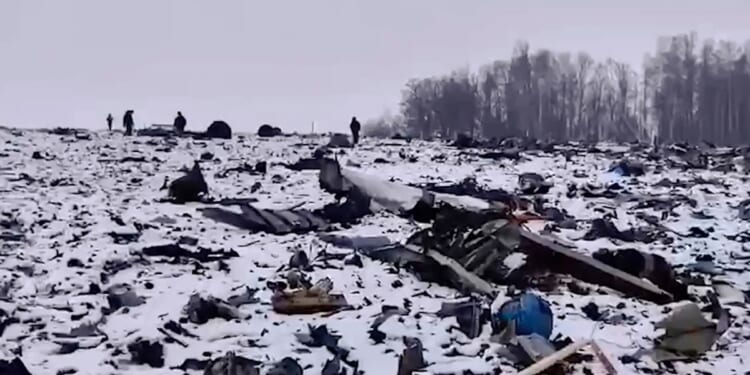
(682,93)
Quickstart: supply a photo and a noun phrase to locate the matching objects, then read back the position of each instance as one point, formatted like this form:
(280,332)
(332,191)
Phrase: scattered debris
(552,359)
(271,221)
(627,167)
(40,155)
(309,301)
(305,164)
(469,315)
(380,194)
(529,349)
(219,129)
(231,364)
(176,251)
(122,295)
(125,238)
(533,183)
(339,140)
(411,359)
(157,130)
(500,155)
(484,242)
(470,187)
(147,352)
(356,242)
(190,187)
(688,333)
(286,366)
(14,367)
(648,266)
(464,141)
(332,367)
(268,131)
(194,365)
(200,310)
(318,337)
(558,258)
(260,167)
(602,228)
(247,297)
(705,267)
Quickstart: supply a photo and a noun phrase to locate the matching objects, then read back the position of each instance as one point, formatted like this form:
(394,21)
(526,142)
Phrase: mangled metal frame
(501,237)
(470,257)
(271,221)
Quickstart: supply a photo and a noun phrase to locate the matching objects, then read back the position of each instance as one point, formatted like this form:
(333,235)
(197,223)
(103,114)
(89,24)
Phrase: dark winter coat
(127,120)
(180,122)
(355,126)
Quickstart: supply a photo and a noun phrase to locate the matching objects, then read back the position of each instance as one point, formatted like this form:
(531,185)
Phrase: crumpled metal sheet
(560,259)
(269,221)
(391,196)
(688,334)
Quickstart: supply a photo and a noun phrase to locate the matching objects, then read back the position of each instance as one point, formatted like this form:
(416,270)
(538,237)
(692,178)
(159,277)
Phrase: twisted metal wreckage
(465,248)
(469,238)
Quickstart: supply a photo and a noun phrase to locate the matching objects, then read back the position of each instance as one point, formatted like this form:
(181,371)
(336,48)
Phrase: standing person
(179,123)
(127,122)
(109,121)
(355,127)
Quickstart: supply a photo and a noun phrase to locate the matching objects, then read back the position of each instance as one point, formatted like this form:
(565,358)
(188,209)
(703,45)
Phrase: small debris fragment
(176,251)
(533,183)
(122,295)
(411,359)
(14,367)
(592,311)
(190,187)
(308,301)
(231,364)
(147,353)
(247,297)
(200,310)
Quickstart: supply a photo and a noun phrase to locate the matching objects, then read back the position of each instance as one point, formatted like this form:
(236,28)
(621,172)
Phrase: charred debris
(470,235)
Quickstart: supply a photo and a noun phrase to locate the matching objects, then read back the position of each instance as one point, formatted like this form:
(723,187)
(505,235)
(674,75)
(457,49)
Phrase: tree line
(685,92)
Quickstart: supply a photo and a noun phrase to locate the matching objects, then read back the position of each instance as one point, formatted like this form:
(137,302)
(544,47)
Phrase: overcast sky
(289,63)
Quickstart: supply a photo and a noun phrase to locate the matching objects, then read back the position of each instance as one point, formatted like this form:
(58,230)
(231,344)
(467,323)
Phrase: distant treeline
(684,92)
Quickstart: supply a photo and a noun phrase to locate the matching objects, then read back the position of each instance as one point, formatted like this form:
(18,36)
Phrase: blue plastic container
(531,313)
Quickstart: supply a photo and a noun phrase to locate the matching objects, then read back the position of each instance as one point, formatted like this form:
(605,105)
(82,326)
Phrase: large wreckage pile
(466,246)
(391,257)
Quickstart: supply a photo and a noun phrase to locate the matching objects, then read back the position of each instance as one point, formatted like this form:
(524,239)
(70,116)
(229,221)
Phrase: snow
(72,221)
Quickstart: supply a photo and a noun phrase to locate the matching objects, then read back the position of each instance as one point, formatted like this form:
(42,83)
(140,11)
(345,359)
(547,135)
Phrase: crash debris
(308,300)
(509,255)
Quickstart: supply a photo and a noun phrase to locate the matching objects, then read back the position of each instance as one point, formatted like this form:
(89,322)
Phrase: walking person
(355,127)
(127,122)
(179,123)
(109,121)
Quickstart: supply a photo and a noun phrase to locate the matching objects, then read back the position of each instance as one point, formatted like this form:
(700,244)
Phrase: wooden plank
(559,355)
(611,370)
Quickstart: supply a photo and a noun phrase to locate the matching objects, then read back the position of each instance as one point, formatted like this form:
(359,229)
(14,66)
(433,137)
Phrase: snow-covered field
(67,201)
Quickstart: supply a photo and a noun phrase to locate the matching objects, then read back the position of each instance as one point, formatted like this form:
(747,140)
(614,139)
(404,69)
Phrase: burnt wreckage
(465,247)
